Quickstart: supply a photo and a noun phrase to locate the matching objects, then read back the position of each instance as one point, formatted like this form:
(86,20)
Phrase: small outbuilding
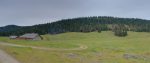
(31,36)
(13,37)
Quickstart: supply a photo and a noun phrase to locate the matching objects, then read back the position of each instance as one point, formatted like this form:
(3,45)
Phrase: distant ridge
(81,24)
(9,28)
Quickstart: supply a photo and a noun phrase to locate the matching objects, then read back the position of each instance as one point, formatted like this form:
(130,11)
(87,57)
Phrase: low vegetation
(103,47)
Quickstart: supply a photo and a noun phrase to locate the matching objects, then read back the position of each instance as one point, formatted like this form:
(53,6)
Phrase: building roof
(29,35)
(13,36)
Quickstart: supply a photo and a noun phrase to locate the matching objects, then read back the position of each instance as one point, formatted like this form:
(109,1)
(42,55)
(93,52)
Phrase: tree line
(119,26)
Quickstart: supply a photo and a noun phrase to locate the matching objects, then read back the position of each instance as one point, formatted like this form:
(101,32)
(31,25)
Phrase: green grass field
(102,48)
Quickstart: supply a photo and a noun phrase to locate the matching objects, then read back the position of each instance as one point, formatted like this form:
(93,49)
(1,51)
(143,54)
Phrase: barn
(31,36)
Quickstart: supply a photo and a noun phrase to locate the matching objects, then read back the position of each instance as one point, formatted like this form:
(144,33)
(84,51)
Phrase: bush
(120,33)
(99,31)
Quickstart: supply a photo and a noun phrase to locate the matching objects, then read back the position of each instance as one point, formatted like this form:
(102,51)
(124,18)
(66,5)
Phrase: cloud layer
(29,12)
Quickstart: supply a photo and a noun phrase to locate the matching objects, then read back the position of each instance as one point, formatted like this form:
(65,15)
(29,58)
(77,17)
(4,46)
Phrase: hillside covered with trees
(119,26)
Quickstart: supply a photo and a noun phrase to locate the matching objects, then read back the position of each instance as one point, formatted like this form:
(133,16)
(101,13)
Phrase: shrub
(120,33)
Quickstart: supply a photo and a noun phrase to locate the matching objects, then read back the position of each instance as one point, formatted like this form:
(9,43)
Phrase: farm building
(31,36)
(13,37)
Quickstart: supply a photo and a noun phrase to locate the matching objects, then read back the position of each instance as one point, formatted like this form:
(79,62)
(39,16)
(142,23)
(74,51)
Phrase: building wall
(37,38)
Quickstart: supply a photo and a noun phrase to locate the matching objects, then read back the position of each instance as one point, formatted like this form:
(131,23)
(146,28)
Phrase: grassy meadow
(102,47)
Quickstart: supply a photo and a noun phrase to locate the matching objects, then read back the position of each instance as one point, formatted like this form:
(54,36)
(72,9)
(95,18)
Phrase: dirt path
(5,58)
(81,47)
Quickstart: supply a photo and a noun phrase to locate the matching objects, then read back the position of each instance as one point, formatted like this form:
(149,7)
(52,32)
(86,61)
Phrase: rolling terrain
(82,24)
(102,47)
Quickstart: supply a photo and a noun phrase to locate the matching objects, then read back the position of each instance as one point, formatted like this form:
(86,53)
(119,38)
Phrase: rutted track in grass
(81,47)
(5,58)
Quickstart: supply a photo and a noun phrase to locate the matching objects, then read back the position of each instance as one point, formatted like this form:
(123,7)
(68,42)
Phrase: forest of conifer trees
(120,26)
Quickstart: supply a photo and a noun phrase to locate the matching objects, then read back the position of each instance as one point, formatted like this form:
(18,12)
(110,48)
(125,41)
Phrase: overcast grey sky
(30,12)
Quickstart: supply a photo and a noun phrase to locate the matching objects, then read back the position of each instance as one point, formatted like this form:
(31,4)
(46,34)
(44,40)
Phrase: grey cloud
(29,12)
